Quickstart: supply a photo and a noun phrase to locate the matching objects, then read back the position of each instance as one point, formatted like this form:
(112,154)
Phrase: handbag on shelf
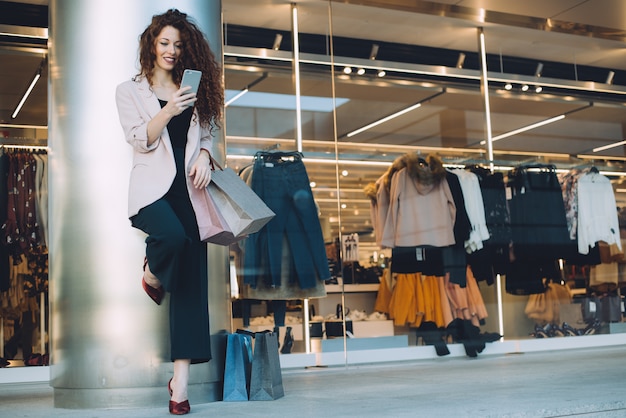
(334,328)
(233,209)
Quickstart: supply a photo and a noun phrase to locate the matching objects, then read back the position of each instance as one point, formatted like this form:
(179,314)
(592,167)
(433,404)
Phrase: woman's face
(168,48)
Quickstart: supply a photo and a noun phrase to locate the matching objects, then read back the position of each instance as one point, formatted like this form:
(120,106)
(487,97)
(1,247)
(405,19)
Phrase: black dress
(176,255)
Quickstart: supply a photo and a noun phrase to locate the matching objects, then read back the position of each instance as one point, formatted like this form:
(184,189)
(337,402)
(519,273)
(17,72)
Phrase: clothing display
(475,209)
(263,285)
(597,212)
(281,181)
(24,250)
(454,256)
(538,224)
(421,207)
(494,257)
(525,225)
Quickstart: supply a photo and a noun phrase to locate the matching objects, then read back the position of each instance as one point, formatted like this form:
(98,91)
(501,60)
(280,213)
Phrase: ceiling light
(394,115)
(374,51)
(245,90)
(537,124)
(30,88)
(525,87)
(361,71)
(344,173)
(508,86)
(538,89)
(347,70)
(277,40)
(23,32)
(613,145)
(539,70)
(381,73)
(460,61)
(529,127)
(609,77)
(236,96)
(385,119)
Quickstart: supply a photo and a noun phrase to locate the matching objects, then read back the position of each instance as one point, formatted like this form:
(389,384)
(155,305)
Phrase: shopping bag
(241,208)
(211,225)
(266,380)
(238,367)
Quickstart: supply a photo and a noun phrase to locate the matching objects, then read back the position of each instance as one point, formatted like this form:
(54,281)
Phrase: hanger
(278,156)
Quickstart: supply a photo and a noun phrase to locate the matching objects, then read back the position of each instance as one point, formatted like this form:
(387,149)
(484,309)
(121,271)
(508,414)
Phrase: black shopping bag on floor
(238,367)
(266,380)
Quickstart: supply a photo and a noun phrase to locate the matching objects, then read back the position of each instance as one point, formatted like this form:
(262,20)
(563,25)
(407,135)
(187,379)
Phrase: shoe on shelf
(540,332)
(557,331)
(592,328)
(288,342)
(35,359)
(569,330)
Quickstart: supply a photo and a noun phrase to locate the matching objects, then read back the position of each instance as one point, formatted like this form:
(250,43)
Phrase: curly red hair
(196,54)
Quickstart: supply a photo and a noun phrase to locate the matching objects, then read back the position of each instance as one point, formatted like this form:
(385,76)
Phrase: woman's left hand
(201,170)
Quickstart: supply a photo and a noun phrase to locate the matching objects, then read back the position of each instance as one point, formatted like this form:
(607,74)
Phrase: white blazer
(154,168)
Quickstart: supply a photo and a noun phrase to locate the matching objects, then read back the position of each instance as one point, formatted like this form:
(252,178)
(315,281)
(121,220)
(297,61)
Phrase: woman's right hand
(181,99)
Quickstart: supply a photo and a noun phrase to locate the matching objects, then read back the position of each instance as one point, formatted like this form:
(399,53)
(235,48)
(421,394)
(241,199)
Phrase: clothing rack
(42,299)
(26,147)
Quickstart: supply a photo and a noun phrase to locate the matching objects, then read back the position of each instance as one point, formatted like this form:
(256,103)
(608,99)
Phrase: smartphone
(191,78)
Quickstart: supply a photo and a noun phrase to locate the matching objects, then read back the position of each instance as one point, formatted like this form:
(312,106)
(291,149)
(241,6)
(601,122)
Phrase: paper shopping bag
(238,367)
(211,225)
(266,380)
(242,209)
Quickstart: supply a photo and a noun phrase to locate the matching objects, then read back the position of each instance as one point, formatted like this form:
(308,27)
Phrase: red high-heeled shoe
(179,408)
(156,294)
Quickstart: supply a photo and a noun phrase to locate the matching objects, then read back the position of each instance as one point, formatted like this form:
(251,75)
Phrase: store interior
(472,83)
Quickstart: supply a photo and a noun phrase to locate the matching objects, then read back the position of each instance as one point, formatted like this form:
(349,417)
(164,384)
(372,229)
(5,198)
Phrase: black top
(178,126)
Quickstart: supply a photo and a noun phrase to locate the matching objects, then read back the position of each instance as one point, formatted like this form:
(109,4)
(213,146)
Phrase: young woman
(170,130)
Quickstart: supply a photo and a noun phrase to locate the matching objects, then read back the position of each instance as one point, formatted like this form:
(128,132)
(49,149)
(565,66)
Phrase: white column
(109,341)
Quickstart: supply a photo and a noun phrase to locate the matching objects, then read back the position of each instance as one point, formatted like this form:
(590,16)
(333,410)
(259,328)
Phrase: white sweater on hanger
(597,212)
(475,208)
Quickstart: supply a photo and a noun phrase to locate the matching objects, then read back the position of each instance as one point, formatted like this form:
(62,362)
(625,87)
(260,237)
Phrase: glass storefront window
(366,102)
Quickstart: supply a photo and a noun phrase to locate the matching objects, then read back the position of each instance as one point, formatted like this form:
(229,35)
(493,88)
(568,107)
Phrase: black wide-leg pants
(178,259)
